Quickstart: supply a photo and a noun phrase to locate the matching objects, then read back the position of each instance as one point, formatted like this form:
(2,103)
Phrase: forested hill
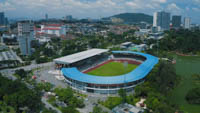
(133,17)
(183,41)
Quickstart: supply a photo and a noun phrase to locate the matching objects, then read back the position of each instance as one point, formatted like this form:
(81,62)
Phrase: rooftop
(127,108)
(9,55)
(48,28)
(126,43)
(80,56)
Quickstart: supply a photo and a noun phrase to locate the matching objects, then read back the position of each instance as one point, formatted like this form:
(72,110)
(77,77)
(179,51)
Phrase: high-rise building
(187,22)
(46,17)
(2,18)
(25,36)
(5,21)
(143,25)
(68,17)
(155,19)
(176,21)
(162,20)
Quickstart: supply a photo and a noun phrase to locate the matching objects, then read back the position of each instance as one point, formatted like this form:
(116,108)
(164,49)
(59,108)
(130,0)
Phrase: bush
(193,96)
(48,111)
(41,60)
(112,102)
(69,110)
(97,109)
(66,95)
(44,86)
(21,73)
(132,100)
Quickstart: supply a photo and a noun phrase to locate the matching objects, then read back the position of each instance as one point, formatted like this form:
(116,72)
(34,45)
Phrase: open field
(113,69)
(185,67)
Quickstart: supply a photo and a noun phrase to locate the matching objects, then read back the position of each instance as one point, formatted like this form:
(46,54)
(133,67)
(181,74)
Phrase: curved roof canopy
(79,56)
(139,73)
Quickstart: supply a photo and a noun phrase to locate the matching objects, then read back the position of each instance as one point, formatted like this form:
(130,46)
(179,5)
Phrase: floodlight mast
(124,89)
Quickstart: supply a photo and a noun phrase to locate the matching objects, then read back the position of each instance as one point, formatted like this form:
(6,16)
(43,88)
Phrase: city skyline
(97,8)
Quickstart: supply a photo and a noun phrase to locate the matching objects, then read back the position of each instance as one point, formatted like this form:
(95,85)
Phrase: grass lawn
(112,69)
(185,67)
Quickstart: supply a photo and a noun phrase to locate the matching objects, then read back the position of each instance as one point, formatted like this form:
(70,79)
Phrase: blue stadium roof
(139,73)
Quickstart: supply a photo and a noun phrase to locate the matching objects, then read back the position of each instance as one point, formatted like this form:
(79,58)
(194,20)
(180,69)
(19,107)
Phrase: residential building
(194,27)
(6,21)
(176,21)
(52,29)
(25,36)
(2,18)
(143,25)
(46,17)
(68,18)
(162,20)
(154,29)
(155,19)
(156,36)
(187,22)
(116,20)
(9,39)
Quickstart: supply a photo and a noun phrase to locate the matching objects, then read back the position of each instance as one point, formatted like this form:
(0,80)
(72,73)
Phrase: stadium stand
(76,77)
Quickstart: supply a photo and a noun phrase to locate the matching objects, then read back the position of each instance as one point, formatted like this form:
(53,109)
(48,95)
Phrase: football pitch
(112,69)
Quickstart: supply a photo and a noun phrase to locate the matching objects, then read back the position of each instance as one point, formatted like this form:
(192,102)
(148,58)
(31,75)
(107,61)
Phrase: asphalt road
(33,66)
(44,75)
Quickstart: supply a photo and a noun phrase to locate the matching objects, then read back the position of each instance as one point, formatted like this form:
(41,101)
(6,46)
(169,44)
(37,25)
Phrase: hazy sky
(97,8)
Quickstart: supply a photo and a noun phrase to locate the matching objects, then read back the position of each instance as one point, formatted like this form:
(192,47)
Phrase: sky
(36,9)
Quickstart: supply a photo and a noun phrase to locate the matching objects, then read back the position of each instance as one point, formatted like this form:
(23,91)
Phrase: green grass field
(112,69)
(185,67)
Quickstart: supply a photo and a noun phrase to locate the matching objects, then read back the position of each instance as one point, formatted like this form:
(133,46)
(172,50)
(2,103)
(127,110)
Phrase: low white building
(52,29)
(141,47)
(127,108)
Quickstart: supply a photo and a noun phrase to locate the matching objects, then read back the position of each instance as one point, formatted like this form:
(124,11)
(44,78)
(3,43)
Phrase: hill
(133,17)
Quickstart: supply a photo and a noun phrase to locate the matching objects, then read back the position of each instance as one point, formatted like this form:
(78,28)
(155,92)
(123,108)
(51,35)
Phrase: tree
(64,94)
(97,109)
(193,96)
(41,60)
(158,83)
(21,73)
(69,109)
(112,102)
(17,95)
(184,41)
(48,52)
(44,86)
(122,94)
(48,111)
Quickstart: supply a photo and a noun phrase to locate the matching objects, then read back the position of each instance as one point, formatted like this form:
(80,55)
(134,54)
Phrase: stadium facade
(78,80)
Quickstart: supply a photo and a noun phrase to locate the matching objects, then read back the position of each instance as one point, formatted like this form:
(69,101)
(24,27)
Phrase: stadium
(104,72)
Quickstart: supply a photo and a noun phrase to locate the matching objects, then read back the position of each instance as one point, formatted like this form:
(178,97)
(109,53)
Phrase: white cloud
(145,4)
(90,8)
(133,5)
(195,9)
(173,8)
(160,1)
(187,8)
